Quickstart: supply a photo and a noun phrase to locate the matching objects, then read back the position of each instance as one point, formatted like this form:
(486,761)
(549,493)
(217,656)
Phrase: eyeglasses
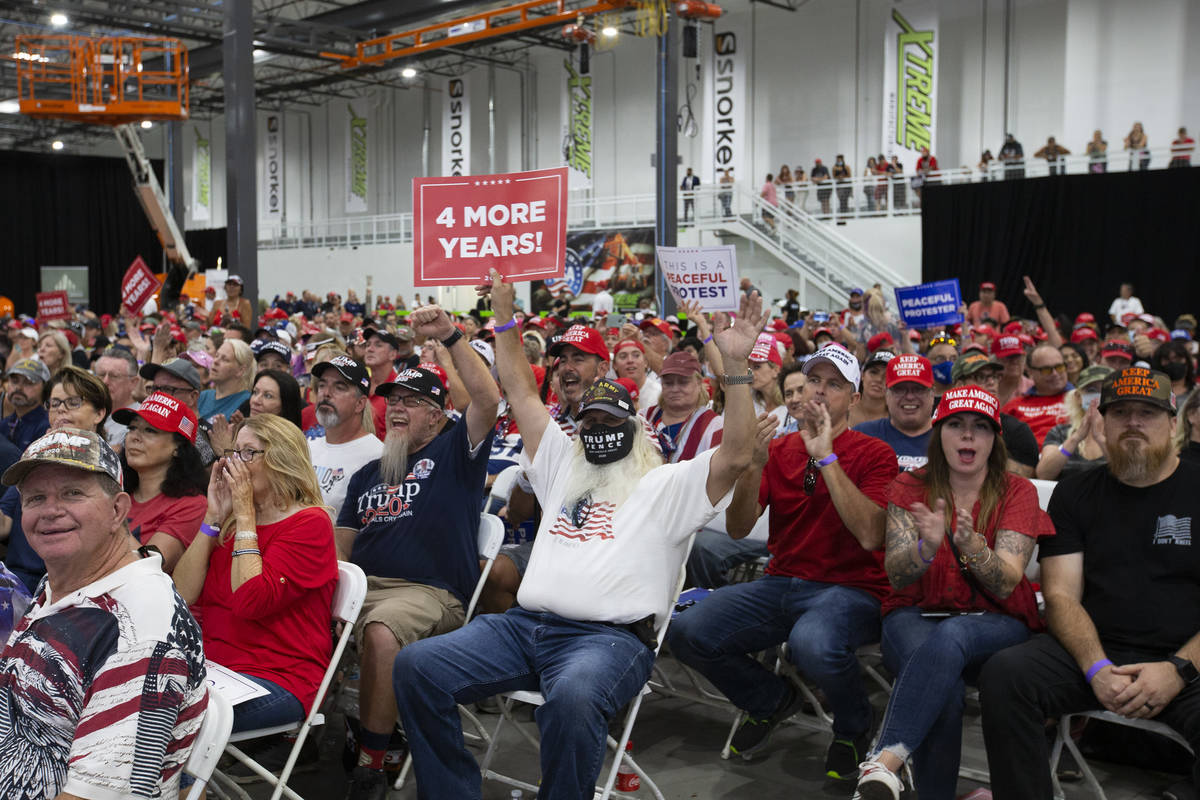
(71,402)
(115,376)
(408,401)
(943,339)
(1049,370)
(246,454)
(810,476)
(171,390)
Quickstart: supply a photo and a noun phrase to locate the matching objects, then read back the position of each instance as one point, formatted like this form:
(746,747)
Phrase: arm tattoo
(904,566)
(993,572)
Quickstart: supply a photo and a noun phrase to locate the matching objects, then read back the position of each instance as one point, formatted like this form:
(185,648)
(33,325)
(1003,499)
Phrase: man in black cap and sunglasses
(410,520)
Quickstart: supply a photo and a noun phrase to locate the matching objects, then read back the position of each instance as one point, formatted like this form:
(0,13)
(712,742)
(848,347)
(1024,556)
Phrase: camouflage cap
(68,447)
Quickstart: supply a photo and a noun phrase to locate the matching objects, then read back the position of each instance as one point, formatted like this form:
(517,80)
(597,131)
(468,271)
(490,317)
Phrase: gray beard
(328,417)
(393,463)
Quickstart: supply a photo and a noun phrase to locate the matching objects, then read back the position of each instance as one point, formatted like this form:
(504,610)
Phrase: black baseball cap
(181,368)
(383,336)
(879,358)
(419,381)
(609,396)
(278,348)
(348,368)
(1138,383)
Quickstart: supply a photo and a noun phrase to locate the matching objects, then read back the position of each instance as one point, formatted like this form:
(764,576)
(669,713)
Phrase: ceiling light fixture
(609,31)
(57,144)
(58,19)
(147,124)
(408,72)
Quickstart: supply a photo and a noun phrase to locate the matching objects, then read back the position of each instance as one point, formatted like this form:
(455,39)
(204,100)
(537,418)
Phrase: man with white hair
(603,570)
(410,520)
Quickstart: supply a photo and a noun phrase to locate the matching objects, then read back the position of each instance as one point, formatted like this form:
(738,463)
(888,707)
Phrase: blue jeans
(715,553)
(585,670)
(279,707)
(931,659)
(822,623)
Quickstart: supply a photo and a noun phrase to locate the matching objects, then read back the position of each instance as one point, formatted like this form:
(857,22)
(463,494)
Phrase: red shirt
(379,406)
(178,517)
(807,538)
(1039,412)
(943,587)
(277,624)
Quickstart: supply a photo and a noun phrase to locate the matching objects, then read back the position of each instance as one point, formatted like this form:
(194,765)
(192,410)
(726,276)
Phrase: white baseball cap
(839,357)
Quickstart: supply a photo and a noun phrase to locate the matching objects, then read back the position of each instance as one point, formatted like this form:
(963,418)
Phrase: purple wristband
(508,326)
(922,555)
(1094,668)
(209,530)
(827,460)
(1065,451)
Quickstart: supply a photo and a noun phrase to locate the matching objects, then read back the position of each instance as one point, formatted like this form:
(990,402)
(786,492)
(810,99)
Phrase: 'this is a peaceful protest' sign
(707,275)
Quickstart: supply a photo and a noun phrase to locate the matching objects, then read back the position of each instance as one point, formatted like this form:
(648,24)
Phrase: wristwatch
(449,341)
(733,380)
(1186,669)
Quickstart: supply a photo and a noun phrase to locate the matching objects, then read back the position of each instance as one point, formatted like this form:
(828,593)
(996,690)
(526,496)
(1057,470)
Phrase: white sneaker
(877,782)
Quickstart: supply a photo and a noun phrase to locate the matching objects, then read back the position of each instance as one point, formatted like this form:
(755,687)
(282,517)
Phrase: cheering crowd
(247,454)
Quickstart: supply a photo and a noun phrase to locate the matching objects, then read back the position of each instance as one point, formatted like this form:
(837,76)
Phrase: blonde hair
(1183,428)
(60,341)
(245,359)
(290,473)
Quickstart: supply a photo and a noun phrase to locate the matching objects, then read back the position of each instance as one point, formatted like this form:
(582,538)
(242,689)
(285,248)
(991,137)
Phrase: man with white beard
(603,570)
(343,411)
(410,520)
(1121,579)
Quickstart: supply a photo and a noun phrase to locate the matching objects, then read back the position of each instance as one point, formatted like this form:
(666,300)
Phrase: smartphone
(616,320)
(820,316)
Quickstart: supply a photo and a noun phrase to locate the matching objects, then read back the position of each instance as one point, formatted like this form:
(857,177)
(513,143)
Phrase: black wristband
(449,341)
(1039,306)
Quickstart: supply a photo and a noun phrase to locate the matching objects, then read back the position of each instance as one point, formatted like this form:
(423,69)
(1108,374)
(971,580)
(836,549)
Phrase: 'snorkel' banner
(515,223)
(726,136)
(707,275)
(456,129)
(929,305)
(910,82)
(272,185)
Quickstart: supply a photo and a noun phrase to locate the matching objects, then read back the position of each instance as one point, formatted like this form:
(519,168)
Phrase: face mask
(856,304)
(1089,399)
(942,372)
(1175,370)
(605,445)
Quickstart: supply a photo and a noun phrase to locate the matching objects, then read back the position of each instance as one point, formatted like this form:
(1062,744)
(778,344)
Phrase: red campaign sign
(53,305)
(138,286)
(465,226)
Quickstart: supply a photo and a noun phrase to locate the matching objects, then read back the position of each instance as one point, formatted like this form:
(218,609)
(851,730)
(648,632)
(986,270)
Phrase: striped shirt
(101,691)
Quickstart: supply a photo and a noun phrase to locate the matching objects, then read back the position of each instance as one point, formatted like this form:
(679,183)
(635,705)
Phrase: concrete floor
(678,742)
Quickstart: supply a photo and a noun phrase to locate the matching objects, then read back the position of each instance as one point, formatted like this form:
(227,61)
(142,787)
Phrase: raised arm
(737,442)
(485,397)
(516,376)
(1053,337)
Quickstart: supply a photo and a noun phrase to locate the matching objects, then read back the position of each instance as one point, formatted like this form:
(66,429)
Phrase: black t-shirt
(1019,439)
(1141,570)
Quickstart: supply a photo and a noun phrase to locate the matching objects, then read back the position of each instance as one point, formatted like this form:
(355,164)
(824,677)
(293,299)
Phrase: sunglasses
(810,476)
(942,339)
(1050,370)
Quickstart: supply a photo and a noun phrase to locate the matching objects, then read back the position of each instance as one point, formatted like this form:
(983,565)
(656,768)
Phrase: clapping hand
(964,532)
(817,431)
(762,439)
(931,524)
(220,500)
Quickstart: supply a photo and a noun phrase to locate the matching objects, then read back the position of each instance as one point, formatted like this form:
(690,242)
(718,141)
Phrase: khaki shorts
(411,611)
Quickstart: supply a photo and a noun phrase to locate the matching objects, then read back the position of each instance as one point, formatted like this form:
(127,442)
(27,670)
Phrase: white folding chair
(209,743)
(347,603)
(490,537)
(508,699)
(1064,739)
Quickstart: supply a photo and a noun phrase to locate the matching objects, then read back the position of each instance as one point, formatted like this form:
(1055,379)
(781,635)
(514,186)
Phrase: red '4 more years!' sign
(465,226)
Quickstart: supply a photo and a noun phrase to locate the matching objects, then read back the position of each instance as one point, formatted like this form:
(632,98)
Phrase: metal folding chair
(1064,739)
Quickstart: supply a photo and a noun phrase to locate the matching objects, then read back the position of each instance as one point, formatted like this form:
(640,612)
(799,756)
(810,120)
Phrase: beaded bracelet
(242,536)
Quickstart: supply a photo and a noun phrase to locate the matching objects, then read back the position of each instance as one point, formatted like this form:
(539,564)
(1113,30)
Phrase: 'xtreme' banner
(456,129)
(201,176)
(910,82)
(577,126)
(356,156)
(726,136)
